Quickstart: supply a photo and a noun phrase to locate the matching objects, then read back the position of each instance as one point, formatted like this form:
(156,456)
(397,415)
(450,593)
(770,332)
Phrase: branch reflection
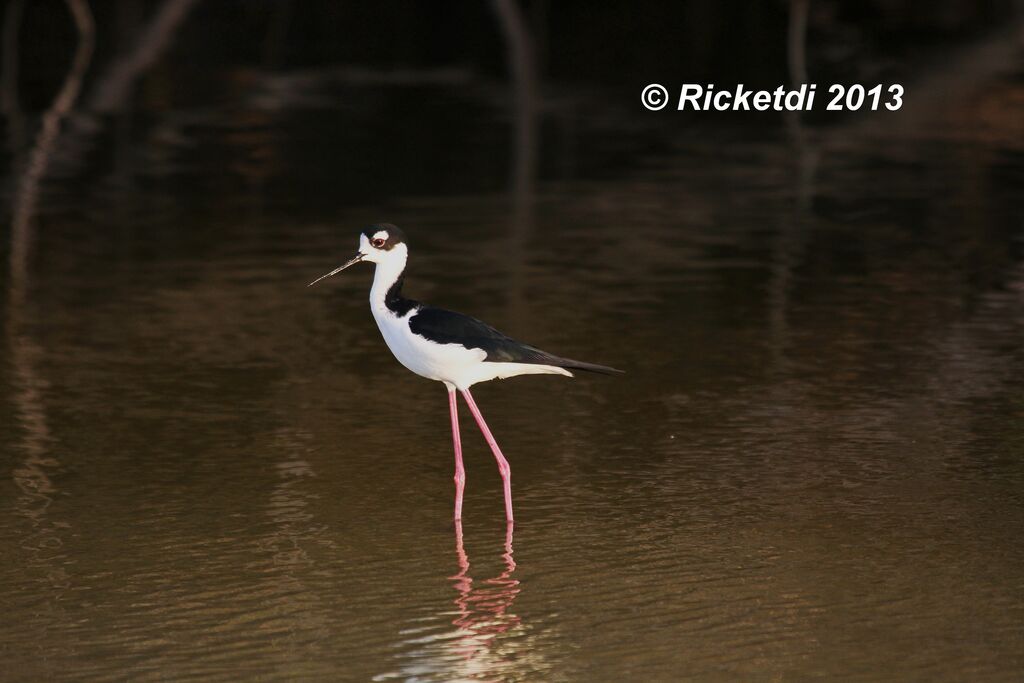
(44,539)
(522,64)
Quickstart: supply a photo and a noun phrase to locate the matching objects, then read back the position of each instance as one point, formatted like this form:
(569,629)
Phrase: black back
(448,327)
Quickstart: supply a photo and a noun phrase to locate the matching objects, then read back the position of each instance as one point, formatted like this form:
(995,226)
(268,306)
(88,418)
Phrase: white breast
(442,362)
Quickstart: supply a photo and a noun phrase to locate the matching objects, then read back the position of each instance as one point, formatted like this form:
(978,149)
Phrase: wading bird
(446,346)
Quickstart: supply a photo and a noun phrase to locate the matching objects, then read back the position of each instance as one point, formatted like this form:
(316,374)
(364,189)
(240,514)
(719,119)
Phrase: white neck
(388,270)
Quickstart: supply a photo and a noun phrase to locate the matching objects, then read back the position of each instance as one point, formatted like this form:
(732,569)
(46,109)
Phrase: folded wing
(448,327)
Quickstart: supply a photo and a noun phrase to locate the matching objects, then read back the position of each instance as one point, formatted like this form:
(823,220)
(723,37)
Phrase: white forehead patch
(380,235)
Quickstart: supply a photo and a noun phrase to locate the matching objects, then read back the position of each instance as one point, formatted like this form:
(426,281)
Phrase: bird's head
(381,244)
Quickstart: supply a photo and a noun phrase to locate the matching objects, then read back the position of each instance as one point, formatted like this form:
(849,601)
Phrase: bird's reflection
(488,641)
(483,608)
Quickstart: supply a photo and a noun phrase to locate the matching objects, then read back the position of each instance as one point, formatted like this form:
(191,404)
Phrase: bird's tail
(570,364)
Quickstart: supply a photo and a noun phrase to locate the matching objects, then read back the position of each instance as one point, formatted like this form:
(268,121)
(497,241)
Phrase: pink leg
(506,471)
(460,471)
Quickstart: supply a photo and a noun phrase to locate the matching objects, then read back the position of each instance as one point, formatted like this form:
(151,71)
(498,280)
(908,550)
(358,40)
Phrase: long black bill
(355,259)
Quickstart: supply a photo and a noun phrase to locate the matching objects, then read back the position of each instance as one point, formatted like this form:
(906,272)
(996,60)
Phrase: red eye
(377,242)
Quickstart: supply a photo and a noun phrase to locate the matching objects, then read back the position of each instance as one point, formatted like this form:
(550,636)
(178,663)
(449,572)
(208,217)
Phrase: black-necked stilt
(446,346)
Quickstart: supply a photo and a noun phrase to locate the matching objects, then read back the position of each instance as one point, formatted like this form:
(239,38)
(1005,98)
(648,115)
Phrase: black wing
(448,327)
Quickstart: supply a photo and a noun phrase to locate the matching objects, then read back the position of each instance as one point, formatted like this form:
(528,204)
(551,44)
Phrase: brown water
(813,468)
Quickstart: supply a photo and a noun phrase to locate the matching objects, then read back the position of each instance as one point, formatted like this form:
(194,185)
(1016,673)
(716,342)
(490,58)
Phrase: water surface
(812,468)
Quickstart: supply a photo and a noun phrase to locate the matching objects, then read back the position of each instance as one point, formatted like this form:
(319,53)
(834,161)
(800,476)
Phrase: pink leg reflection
(483,610)
(460,471)
(503,467)
(463,582)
